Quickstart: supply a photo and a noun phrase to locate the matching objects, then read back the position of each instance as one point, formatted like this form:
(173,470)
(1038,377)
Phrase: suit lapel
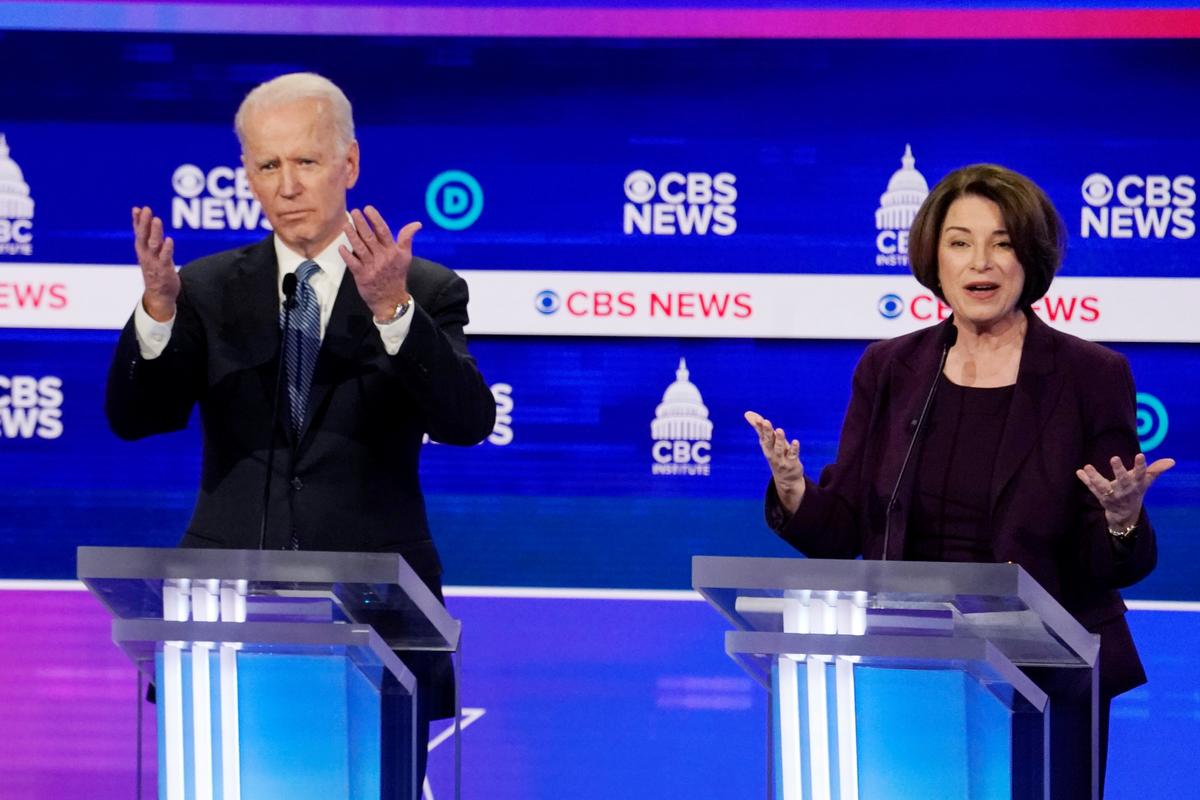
(1034,398)
(251,299)
(348,324)
(914,375)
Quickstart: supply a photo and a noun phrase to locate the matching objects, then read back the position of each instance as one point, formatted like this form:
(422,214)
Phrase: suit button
(297,484)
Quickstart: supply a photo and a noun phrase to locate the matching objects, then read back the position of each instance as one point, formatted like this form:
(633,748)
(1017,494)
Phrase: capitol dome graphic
(15,202)
(905,192)
(682,413)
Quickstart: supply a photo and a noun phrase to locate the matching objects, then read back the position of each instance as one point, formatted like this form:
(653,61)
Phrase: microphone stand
(289,302)
(948,337)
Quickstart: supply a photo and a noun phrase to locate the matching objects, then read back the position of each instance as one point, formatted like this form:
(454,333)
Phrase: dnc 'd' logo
(454,200)
(16,207)
(897,207)
(1152,421)
(681,429)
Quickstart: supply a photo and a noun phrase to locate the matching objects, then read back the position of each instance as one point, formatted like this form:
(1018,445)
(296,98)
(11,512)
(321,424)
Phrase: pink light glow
(68,700)
(515,20)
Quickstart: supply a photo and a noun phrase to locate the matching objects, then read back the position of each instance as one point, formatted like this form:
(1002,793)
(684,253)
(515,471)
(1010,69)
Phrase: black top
(953,473)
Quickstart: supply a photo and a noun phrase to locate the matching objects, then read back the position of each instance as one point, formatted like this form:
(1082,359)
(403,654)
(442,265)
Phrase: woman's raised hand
(1122,496)
(783,457)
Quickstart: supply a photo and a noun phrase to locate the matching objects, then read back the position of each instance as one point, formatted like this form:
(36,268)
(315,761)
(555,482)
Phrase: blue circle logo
(454,200)
(1151,421)
(546,301)
(890,306)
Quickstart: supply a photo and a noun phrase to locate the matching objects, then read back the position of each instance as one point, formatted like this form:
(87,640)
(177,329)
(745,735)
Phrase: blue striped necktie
(304,341)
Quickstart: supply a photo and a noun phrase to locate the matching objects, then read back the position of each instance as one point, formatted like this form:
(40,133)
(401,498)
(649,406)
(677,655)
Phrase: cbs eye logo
(1097,189)
(188,181)
(547,301)
(640,186)
(890,306)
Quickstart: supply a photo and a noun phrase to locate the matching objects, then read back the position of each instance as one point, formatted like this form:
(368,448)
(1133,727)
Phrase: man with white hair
(375,358)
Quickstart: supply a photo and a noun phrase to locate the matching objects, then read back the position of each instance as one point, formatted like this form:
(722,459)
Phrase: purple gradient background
(883,19)
(583,698)
(586,699)
(68,702)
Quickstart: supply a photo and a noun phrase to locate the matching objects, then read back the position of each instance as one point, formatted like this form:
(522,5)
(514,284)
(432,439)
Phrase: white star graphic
(469,717)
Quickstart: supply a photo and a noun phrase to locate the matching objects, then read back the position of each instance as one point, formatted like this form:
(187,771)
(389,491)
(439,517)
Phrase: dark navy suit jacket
(350,483)
(1073,404)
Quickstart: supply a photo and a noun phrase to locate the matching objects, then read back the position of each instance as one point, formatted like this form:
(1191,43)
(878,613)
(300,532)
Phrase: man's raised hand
(155,255)
(379,262)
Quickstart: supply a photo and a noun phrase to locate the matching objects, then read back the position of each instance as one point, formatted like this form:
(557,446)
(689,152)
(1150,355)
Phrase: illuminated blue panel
(289,748)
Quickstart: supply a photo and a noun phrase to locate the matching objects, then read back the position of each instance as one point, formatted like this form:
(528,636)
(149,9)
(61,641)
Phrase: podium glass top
(998,603)
(376,589)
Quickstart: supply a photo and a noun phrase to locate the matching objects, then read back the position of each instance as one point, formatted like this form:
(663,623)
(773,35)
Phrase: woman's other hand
(784,459)
(1122,496)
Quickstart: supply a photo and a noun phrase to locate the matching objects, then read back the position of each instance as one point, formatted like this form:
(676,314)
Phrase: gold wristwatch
(401,310)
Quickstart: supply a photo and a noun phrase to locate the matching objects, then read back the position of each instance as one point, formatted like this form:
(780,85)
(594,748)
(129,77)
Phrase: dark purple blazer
(1074,404)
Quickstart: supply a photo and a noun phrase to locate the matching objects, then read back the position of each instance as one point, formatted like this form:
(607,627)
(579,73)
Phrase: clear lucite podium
(275,670)
(898,680)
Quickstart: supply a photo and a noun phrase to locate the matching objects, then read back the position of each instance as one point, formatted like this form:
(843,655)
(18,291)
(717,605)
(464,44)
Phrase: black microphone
(948,337)
(289,302)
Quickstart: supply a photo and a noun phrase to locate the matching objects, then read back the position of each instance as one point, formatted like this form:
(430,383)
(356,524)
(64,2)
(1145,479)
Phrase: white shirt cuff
(152,335)
(394,333)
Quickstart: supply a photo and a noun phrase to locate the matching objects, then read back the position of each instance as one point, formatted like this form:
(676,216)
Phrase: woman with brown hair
(1028,452)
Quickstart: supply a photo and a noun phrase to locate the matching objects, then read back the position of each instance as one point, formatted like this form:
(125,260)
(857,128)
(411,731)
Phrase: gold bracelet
(1122,533)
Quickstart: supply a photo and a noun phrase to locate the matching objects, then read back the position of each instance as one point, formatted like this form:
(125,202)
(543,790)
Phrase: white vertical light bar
(858,625)
(795,620)
(233,609)
(823,619)
(829,614)
(202,722)
(205,608)
(176,595)
(228,601)
(847,731)
(233,600)
(818,730)
(795,611)
(848,614)
(231,764)
(789,728)
(852,621)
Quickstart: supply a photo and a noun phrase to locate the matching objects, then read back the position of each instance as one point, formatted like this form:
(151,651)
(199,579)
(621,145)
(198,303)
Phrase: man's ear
(352,164)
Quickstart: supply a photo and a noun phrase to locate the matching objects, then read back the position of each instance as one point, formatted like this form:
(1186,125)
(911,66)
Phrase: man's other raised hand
(155,255)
